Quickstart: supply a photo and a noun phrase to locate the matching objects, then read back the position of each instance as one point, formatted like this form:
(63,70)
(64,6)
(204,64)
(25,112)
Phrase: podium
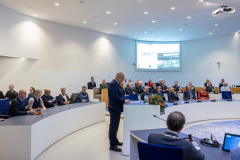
(104,96)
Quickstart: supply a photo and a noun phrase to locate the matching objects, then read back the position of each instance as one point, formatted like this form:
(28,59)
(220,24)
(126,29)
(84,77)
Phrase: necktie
(23,105)
(191,96)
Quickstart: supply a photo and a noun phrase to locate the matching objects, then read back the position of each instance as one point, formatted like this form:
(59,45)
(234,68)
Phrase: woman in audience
(63,98)
(138,80)
(36,102)
(32,90)
(160,93)
(203,95)
(221,84)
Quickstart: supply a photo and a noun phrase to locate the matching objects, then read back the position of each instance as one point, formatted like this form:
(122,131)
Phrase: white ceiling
(131,20)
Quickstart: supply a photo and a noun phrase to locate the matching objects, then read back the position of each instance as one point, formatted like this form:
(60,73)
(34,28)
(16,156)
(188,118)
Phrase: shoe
(115,148)
(119,143)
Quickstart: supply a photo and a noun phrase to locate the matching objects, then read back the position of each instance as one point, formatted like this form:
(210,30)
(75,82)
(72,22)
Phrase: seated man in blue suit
(91,84)
(48,100)
(172,95)
(175,123)
(234,154)
(18,105)
(83,95)
(189,94)
(130,89)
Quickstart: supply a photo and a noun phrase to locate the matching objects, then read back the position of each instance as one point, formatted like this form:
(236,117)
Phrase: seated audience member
(160,93)
(210,88)
(234,154)
(149,84)
(36,101)
(175,124)
(203,95)
(32,90)
(221,84)
(139,89)
(123,87)
(225,87)
(176,87)
(63,99)
(11,94)
(18,105)
(192,86)
(206,83)
(103,85)
(159,83)
(91,84)
(145,93)
(129,81)
(189,94)
(138,80)
(1,119)
(1,95)
(130,89)
(83,95)
(48,100)
(172,95)
(152,89)
(125,82)
(164,87)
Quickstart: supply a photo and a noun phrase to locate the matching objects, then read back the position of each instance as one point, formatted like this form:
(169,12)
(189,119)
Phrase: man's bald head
(120,77)
(47,91)
(22,94)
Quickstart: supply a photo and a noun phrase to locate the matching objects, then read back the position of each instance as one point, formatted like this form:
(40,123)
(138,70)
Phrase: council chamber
(120,80)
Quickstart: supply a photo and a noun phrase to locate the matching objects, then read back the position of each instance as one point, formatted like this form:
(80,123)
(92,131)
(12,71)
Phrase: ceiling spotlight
(145,32)
(208,3)
(84,22)
(108,12)
(180,29)
(216,25)
(35,15)
(145,12)
(188,17)
(153,21)
(81,1)
(115,23)
(56,4)
(173,8)
(210,33)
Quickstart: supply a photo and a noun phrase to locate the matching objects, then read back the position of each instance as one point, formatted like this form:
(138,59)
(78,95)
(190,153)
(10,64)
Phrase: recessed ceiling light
(115,23)
(216,24)
(188,17)
(145,12)
(35,15)
(57,4)
(145,32)
(153,21)
(210,33)
(84,22)
(108,12)
(180,29)
(108,32)
(208,3)
(81,1)
(173,8)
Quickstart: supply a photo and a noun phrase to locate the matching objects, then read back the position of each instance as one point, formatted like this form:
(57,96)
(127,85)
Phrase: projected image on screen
(155,56)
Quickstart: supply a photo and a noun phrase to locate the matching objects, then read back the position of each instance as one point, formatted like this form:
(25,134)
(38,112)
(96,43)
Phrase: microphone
(213,100)
(159,118)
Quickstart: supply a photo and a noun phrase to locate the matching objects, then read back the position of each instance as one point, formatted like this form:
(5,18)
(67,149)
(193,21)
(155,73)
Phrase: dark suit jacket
(164,87)
(189,151)
(116,97)
(46,98)
(186,95)
(16,108)
(210,89)
(193,87)
(139,90)
(177,88)
(61,100)
(143,94)
(172,97)
(103,86)
(129,90)
(90,86)
(162,95)
(152,90)
(11,96)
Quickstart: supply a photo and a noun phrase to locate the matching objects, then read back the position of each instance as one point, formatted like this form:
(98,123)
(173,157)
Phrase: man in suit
(192,86)
(48,100)
(152,89)
(18,105)
(130,89)
(139,89)
(234,154)
(103,85)
(172,95)
(210,88)
(189,94)
(11,94)
(115,107)
(176,87)
(91,84)
(175,123)
(164,87)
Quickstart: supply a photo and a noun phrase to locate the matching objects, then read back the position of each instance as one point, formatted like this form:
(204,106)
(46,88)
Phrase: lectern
(104,96)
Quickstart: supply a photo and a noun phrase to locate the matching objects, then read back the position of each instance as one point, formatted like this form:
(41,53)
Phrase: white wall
(69,56)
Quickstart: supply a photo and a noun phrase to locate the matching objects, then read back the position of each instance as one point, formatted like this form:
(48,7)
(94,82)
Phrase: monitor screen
(231,141)
(158,56)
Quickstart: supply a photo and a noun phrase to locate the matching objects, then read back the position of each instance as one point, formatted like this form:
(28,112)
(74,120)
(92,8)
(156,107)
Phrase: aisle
(90,143)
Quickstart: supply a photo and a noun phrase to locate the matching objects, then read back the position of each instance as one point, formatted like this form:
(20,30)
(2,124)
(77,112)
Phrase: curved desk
(210,153)
(139,117)
(25,137)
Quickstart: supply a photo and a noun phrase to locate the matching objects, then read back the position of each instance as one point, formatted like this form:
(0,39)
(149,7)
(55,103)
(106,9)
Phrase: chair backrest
(145,84)
(57,100)
(4,106)
(168,96)
(108,84)
(197,94)
(96,91)
(1,95)
(150,151)
(133,97)
(73,97)
(26,100)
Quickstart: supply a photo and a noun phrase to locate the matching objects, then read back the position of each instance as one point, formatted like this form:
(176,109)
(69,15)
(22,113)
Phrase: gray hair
(63,88)
(175,121)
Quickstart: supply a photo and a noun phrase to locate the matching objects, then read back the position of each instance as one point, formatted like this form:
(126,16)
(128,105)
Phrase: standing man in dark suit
(91,84)
(11,94)
(175,123)
(164,87)
(18,105)
(189,94)
(115,107)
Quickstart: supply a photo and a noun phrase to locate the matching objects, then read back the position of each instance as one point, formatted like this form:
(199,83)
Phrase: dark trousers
(113,127)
